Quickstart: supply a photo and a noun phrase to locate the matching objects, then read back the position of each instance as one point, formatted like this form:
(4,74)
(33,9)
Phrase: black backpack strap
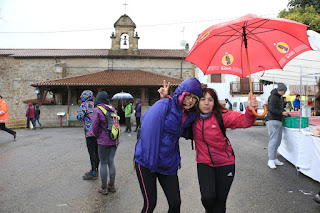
(222,127)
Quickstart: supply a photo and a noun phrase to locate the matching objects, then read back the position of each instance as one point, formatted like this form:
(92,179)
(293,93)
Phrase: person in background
(274,123)
(228,104)
(4,118)
(296,103)
(284,102)
(85,113)
(127,114)
(37,115)
(106,146)
(137,110)
(157,154)
(30,116)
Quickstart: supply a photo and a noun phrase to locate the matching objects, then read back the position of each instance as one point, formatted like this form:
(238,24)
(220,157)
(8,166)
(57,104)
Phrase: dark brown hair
(217,106)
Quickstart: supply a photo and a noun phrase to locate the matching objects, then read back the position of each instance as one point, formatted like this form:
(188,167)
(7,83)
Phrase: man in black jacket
(274,123)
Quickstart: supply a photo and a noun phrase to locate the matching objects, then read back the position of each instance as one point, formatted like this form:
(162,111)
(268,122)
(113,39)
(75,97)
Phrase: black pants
(215,184)
(138,122)
(4,128)
(32,121)
(128,124)
(148,185)
(93,153)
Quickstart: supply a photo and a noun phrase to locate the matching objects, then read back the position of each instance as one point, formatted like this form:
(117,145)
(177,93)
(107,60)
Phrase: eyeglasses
(191,96)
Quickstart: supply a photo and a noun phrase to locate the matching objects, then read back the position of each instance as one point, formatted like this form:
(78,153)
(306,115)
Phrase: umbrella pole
(251,92)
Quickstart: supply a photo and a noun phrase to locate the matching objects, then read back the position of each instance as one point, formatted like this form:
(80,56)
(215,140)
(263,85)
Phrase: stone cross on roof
(125,7)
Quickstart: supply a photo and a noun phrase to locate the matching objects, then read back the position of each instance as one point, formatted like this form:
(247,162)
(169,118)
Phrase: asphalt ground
(42,172)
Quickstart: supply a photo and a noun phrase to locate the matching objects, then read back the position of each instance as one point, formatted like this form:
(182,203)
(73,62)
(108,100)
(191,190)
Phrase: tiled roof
(146,53)
(113,78)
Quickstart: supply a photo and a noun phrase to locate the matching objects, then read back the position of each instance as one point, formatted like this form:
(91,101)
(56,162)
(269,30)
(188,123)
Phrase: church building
(55,78)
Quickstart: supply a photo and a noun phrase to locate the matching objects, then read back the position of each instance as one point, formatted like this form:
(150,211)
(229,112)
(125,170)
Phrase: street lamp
(37,91)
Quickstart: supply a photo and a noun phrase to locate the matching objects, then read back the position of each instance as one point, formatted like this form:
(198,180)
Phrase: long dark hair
(217,106)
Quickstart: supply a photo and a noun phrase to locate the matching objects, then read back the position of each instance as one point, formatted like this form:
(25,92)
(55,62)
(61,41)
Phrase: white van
(240,104)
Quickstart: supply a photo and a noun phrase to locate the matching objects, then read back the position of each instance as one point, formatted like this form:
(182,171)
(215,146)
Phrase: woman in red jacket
(214,154)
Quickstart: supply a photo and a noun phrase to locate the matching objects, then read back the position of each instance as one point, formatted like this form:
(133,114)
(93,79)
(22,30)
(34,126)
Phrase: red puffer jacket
(209,138)
(30,111)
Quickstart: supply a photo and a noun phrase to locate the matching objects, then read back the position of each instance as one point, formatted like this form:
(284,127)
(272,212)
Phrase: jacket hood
(191,85)
(87,95)
(102,98)
(29,104)
(108,107)
(275,92)
(138,101)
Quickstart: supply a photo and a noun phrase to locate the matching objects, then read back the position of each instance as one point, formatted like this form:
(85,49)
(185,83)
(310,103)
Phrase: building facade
(20,68)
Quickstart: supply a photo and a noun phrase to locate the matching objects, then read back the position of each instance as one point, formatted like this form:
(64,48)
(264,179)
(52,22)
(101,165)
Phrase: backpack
(113,126)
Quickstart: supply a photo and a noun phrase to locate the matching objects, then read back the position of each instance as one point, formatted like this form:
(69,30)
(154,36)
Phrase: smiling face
(189,101)
(206,103)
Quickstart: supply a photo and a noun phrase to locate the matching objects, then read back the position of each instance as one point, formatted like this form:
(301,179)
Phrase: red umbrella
(248,45)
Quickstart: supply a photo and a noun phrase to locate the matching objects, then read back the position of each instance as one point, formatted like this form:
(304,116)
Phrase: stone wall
(17,74)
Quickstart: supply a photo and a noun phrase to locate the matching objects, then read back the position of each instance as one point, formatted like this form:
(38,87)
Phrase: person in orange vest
(4,118)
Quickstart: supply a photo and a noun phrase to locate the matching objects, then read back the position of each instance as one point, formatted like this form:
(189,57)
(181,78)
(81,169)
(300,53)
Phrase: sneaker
(90,176)
(317,198)
(111,188)
(271,164)
(278,163)
(90,172)
(103,191)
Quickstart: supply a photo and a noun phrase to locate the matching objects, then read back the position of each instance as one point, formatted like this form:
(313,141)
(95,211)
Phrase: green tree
(304,3)
(307,15)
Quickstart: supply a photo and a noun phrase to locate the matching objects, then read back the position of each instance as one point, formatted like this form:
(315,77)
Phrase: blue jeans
(37,119)
(106,155)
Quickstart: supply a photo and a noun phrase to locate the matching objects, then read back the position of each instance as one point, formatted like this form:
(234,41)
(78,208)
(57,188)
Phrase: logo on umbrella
(227,59)
(282,47)
(204,36)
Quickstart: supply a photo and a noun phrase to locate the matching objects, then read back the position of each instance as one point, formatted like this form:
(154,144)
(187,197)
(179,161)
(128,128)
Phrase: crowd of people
(193,112)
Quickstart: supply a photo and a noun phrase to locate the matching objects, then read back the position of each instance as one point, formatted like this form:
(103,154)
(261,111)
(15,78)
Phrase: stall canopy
(305,67)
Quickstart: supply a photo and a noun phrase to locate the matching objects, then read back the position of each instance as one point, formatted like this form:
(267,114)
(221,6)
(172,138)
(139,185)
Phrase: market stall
(302,149)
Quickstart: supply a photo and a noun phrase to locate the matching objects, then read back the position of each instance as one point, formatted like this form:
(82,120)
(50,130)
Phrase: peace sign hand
(164,91)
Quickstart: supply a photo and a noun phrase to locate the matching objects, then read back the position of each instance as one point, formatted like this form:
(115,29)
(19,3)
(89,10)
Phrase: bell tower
(124,40)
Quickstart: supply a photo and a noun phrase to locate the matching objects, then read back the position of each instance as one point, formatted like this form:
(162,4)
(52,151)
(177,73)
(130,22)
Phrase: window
(215,78)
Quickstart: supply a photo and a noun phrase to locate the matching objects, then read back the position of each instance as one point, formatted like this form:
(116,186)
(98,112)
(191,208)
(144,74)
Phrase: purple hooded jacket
(161,127)
(99,121)
(138,108)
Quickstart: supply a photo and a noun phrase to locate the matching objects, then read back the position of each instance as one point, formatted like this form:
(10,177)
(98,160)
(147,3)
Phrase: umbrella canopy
(122,96)
(305,66)
(248,44)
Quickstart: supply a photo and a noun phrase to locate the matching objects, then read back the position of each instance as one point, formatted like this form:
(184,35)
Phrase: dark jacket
(275,106)
(138,108)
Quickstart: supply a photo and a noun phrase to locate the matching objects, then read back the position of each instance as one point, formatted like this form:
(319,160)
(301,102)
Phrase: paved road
(42,172)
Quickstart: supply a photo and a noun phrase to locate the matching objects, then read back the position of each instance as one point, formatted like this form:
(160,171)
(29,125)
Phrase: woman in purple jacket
(137,113)
(106,146)
(157,155)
